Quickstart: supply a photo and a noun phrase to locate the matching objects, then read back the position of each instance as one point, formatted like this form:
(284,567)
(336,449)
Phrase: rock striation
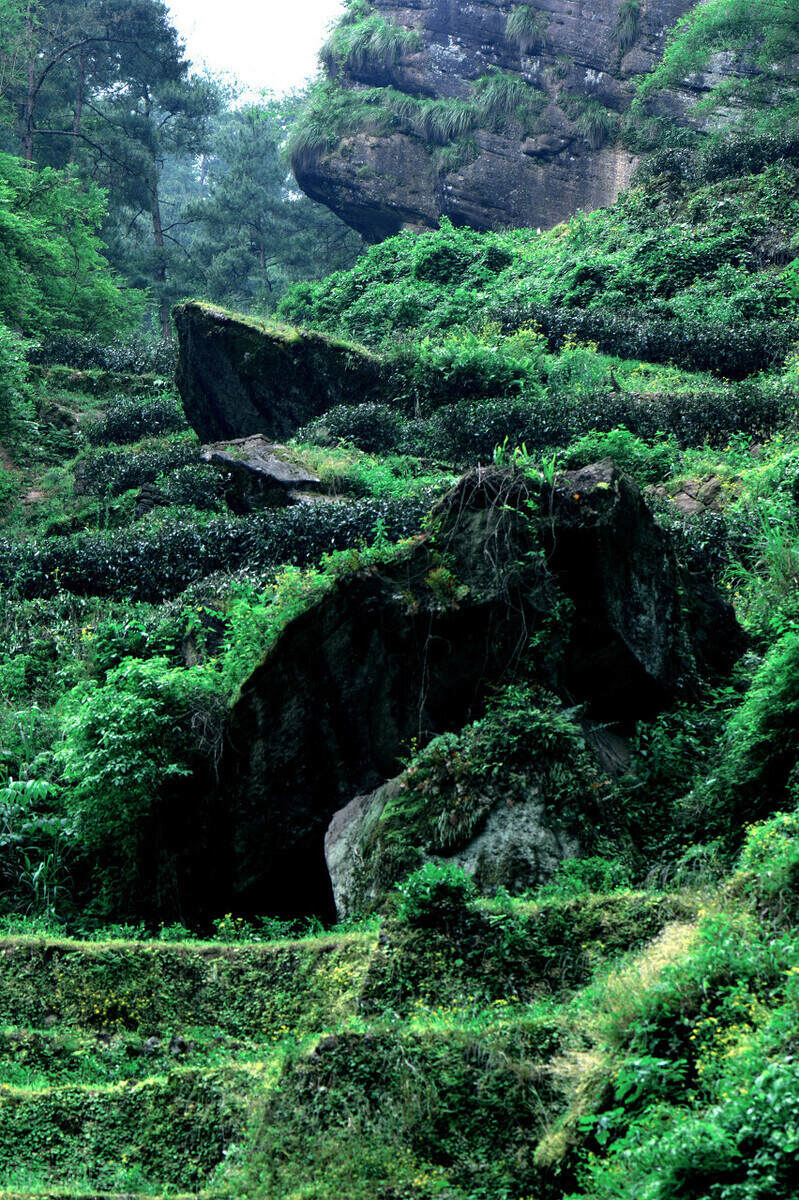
(534,164)
(394,655)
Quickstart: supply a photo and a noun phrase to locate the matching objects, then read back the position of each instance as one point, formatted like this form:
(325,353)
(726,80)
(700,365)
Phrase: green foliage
(35,845)
(331,112)
(127,744)
(705,1091)
(761,38)
(770,862)
(436,896)
(757,773)
(648,463)
(113,471)
(13,382)
(526,750)
(52,272)
(583,876)
(376,428)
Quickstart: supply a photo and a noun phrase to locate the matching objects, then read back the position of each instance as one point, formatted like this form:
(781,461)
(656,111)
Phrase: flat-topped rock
(260,473)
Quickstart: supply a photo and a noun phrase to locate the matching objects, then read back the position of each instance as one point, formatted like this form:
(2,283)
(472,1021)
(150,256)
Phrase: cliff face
(533,163)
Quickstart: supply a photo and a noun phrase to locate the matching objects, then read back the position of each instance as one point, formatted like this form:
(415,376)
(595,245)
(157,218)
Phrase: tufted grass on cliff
(527,27)
(364,40)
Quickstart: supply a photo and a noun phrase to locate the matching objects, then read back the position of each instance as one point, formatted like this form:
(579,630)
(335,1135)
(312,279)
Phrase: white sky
(267,44)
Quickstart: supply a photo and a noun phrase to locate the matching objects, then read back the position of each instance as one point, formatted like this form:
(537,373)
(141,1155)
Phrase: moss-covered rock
(238,376)
(506,800)
(575,584)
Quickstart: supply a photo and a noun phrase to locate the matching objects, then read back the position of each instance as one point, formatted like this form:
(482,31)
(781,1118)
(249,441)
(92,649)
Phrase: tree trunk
(160,269)
(79,91)
(30,95)
(158,237)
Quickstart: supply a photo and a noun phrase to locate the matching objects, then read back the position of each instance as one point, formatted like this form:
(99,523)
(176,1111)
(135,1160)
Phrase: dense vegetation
(627,1029)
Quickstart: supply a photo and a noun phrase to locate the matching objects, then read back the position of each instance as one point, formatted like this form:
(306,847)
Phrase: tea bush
(129,356)
(113,471)
(129,419)
(163,555)
(376,428)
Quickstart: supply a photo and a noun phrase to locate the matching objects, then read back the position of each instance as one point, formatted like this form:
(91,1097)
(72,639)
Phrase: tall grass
(527,27)
(628,24)
(357,46)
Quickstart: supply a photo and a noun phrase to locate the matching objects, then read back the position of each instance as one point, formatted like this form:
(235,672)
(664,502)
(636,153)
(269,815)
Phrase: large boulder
(575,582)
(238,376)
(530,164)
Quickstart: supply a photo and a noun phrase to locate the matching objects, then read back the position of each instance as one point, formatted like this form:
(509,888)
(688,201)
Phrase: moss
(527,745)
(257,991)
(174,1130)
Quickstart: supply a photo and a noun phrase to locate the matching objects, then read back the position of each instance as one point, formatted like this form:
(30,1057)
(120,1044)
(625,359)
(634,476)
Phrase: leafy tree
(53,275)
(256,231)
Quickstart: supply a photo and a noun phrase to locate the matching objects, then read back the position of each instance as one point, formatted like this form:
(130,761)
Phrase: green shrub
(165,553)
(436,896)
(111,472)
(13,381)
(127,744)
(137,355)
(581,876)
(376,428)
(649,464)
(194,485)
(771,855)
(758,772)
(129,419)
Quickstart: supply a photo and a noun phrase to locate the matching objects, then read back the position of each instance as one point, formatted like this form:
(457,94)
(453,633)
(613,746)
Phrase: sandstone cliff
(491,113)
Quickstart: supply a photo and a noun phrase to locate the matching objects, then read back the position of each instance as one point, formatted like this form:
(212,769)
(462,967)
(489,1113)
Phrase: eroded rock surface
(533,171)
(410,650)
(238,377)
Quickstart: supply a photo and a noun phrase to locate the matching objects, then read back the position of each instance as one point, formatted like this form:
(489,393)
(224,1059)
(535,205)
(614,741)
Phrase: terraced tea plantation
(302,1068)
